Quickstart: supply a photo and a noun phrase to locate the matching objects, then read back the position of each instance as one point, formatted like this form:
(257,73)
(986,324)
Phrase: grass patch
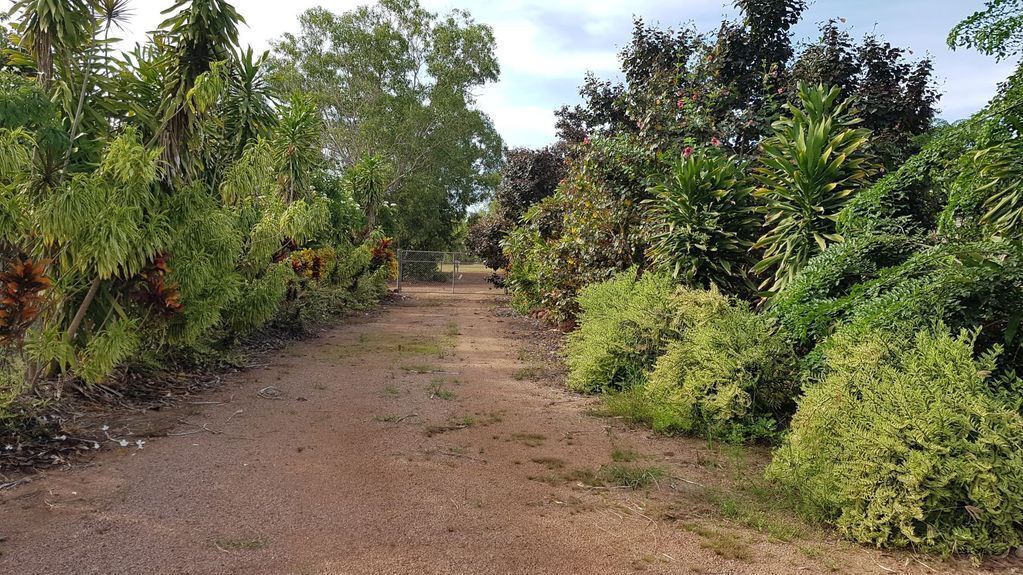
(624,455)
(421,346)
(421,368)
(529,439)
(452,329)
(387,418)
(530,373)
(392,390)
(437,390)
(763,507)
(453,424)
(630,405)
(617,475)
(551,463)
(724,545)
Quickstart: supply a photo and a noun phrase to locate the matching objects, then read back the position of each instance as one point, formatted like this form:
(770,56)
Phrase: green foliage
(896,97)
(813,163)
(589,230)
(702,222)
(486,235)
(399,82)
(624,325)
(729,376)
(366,181)
(527,177)
(996,30)
(821,293)
(910,442)
(1001,172)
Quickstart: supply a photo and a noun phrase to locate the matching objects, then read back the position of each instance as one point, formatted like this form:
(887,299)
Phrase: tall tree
(396,81)
(895,97)
(997,30)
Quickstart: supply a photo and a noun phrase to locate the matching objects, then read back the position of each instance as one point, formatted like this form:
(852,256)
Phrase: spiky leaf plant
(812,165)
(701,221)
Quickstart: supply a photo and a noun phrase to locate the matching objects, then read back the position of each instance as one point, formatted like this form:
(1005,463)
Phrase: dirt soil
(433,437)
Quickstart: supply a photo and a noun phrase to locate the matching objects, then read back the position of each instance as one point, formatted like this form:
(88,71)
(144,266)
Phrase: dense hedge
(910,442)
(625,323)
(730,375)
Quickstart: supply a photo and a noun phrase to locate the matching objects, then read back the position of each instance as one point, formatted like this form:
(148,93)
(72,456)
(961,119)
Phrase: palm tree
(296,147)
(249,102)
(50,26)
(368,181)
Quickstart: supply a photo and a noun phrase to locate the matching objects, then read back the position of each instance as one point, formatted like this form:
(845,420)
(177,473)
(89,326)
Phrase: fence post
(398,285)
(454,270)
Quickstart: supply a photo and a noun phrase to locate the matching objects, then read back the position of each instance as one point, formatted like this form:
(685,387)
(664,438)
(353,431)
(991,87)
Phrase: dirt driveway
(425,439)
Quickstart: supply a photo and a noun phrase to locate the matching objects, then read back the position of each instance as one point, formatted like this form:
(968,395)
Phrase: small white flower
(9,447)
(61,437)
(105,428)
(123,442)
(139,443)
(95,445)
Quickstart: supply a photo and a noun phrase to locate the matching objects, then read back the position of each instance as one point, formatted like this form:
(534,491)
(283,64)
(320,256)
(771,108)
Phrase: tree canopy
(397,82)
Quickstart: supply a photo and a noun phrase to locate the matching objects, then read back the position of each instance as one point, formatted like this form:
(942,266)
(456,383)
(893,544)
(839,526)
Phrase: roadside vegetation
(755,239)
(160,205)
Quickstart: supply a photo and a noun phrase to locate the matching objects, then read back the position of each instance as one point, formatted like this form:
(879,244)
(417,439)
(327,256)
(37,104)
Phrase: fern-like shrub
(624,325)
(910,443)
(730,375)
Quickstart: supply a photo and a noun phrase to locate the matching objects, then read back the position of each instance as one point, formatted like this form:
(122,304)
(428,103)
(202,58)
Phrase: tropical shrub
(624,325)
(910,442)
(730,375)
(486,235)
(819,296)
(815,161)
(160,203)
(589,230)
(702,222)
(527,177)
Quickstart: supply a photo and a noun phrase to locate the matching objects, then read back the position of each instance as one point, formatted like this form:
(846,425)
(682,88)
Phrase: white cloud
(522,49)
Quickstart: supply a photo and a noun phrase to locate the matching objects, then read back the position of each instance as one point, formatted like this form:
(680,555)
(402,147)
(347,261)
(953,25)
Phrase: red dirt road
(412,442)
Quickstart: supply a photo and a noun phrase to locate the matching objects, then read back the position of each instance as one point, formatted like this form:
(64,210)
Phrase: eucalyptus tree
(396,81)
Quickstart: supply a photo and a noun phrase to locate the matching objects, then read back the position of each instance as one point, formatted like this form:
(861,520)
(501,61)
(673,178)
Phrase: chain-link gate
(441,271)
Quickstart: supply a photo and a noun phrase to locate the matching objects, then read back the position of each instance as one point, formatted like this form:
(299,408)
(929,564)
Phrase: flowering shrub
(589,230)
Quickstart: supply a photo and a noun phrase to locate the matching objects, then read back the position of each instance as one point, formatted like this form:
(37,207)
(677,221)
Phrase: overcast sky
(546,46)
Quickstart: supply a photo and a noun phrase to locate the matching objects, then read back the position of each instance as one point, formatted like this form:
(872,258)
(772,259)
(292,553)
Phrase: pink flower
(586,140)
(681,103)
(688,152)
(715,142)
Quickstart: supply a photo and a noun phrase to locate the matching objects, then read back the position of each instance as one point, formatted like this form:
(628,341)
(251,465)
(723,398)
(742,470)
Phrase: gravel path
(421,440)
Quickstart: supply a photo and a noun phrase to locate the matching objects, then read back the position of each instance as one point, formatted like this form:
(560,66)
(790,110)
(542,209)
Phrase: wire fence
(437,271)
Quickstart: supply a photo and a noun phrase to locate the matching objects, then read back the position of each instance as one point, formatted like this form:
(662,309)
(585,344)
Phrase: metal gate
(441,271)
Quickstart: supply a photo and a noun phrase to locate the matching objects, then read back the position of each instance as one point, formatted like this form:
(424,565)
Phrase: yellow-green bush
(730,376)
(624,326)
(910,443)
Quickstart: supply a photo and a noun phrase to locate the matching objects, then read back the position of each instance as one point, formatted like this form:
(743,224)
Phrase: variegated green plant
(809,168)
(702,222)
